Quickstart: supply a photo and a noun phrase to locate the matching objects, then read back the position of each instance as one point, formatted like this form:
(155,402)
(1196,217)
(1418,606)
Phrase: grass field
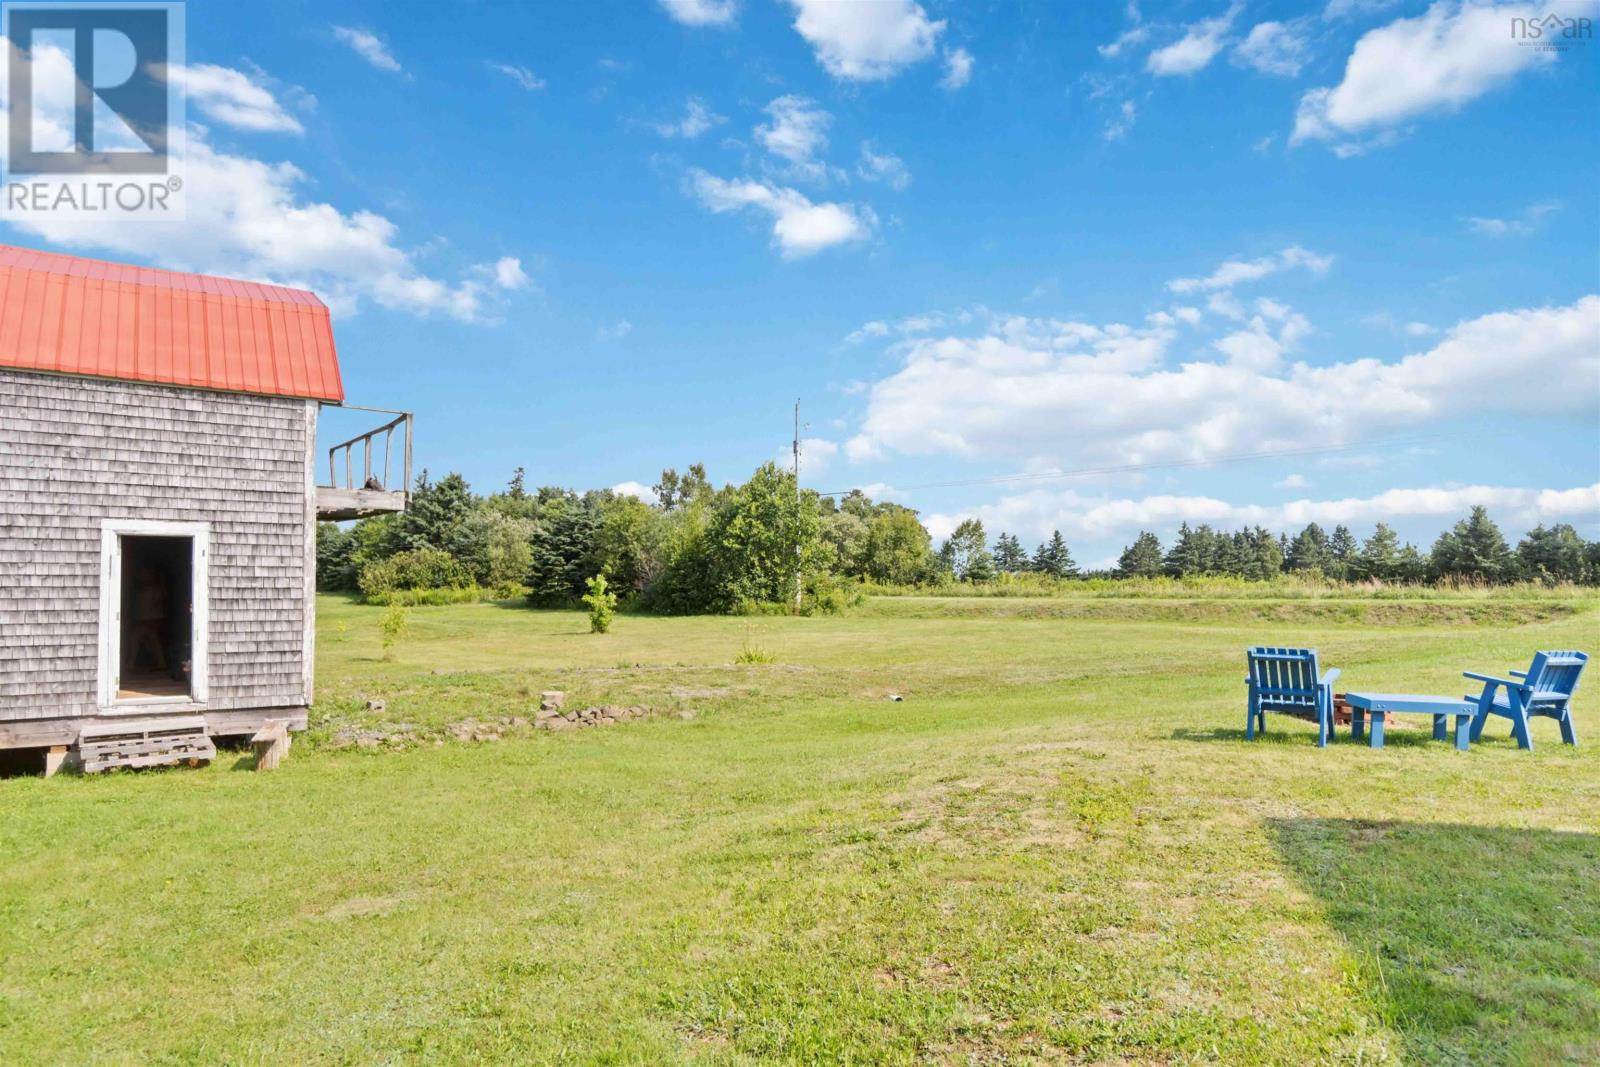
(1057,848)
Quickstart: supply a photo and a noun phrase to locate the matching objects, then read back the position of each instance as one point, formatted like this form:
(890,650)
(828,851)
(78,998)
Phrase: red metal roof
(70,315)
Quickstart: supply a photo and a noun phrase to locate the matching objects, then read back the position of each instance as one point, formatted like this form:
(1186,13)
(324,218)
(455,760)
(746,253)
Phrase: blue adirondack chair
(1286,680)
(1545,688)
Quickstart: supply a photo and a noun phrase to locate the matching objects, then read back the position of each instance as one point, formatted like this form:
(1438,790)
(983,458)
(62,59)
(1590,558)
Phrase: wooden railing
(371,478)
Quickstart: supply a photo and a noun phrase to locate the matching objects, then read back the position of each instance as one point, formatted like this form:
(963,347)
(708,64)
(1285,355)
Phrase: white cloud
(368,46)
(1195,50)
(798,129)
(1135,35)
(866,41)
(615,331)
(248,219)
(884,491)
(875,328)
(799,226)
(519,74)
(697,119)
(957,69)
(816,455)
(1293,481)
(1520,225)
(911,325)
(1122,121)
(1441,59)
(1271,334)
(1419,329)
(508,273)
(702,12)
(884,167)
(1235,272)
(1085,393)
(637,490)
(234,98)
(1082,517)
(1273,48)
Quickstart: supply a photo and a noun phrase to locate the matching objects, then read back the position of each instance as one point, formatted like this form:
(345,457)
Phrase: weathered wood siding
(76,451)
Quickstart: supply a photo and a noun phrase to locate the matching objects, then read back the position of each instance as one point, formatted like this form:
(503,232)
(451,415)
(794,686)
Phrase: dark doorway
(157,617)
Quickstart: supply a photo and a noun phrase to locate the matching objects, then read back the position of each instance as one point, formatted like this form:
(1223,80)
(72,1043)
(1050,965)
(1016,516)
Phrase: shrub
(392,628)
(749,653)
(827,594)
(602,605)
(419,568)
(471,594)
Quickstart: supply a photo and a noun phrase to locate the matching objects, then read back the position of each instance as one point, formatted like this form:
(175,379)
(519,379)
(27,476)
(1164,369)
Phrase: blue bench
(1375,706)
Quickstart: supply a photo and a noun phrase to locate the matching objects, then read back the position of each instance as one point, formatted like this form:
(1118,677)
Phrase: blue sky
(974,240)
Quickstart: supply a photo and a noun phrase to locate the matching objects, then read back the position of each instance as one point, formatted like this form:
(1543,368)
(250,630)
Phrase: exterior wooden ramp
(103,746)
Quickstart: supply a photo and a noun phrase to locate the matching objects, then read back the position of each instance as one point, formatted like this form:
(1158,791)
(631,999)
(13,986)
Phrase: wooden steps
(104,746)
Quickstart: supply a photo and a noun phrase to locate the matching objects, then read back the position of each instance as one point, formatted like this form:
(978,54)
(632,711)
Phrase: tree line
(1472,550)
(703,549)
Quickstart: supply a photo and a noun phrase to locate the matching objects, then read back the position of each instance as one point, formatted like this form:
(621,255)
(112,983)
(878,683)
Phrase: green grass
(1057,848)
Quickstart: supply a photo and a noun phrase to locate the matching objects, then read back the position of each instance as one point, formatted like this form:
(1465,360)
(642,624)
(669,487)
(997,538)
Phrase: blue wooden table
(1375,705)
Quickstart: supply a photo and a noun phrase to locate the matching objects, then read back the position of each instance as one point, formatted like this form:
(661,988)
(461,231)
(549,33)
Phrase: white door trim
(110,667)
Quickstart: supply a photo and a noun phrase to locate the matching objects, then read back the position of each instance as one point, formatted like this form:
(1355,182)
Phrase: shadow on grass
(1475,944)
(1282,736)
(1394,737)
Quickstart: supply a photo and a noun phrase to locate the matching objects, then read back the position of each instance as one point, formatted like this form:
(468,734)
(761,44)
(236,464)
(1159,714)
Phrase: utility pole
(797,505)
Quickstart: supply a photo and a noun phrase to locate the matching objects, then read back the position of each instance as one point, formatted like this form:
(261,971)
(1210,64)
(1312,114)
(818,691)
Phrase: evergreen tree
(1379,558)
(1233,556)
(1061,562)
(564,549)
(1142,559)
(1553,555)
(1342,553)
(1188,554)
(1410,566)
(1266,555)
(436,513)
(1474,548)
(1053,559)
(1309,550)
(1009,557)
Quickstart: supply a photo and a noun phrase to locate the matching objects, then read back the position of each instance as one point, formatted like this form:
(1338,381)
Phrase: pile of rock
(553,714)
(473,730)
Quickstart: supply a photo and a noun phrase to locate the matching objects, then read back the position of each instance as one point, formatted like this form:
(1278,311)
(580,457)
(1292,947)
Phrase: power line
(1128,468)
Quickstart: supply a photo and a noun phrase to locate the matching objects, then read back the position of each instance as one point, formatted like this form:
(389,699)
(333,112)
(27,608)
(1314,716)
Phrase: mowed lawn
(1056,848)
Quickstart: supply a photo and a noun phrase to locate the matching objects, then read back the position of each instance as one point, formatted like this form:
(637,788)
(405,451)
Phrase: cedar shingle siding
(76,451)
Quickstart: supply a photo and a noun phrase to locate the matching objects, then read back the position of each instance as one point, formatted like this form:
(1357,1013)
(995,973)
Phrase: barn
(159,496)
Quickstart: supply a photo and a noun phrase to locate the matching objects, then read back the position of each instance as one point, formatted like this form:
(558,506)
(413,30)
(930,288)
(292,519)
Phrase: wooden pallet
(104,746)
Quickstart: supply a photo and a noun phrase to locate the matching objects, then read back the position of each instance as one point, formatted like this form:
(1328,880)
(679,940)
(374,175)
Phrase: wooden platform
(179,739)
(47,733)
(337,505)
